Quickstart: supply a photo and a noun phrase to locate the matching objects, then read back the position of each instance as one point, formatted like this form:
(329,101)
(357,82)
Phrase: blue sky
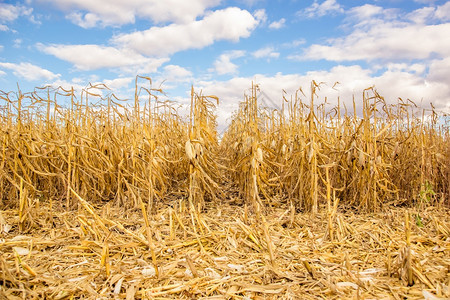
(401,47)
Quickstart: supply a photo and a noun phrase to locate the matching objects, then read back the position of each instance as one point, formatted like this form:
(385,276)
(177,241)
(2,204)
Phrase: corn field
(104,160)
(307,155)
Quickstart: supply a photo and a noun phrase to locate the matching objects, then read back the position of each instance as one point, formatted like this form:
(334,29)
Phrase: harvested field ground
(104,254)
(101,200)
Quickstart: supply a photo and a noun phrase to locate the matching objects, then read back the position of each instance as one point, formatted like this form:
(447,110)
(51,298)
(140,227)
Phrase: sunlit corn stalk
(256,156)
(203,171)
(312,154)
(249,157)
(296,172)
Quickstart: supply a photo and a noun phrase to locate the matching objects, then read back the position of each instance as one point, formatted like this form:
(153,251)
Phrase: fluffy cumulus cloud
(171,77)
(439,71)
(87,13)
(118,83)
(145,51)
(224,65)
(229,24)
(421,15)
(92,57)
(294,44)
(266,52)
(369,14)
(321,9)
(443,12)
(260,15)
(176,73)
(439,13)
(87,20)
(29,71)
(384,34)
(9,13)
(385,41)
(277,24)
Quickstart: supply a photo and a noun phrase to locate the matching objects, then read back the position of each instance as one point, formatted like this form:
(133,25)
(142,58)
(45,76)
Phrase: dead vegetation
(100,199)
(105,254)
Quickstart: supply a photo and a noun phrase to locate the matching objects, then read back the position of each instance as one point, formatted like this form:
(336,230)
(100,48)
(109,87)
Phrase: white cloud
(367,16)
(439,71)
(404,67)
(87,20)
(118,83)
(266,52)
(364,12)
(422,15)
(172,77)
(67,85)
(229,24)
(386,34)
(223,64)
(176,73)
(319,10)
(17,43)
(88,13)
(33,20)
(277,24)
(429,14)
(151,65)
(260,15)
(9,12)
(443,12)
(385,41)
(92,57)
(29,71)
(145,51)
(294,43)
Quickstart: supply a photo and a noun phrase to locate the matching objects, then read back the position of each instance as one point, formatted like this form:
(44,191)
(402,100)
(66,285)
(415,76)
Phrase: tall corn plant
(249,168)
(200,148)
